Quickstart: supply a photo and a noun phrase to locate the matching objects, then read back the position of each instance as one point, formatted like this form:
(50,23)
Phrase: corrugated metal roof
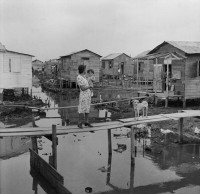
(111,56)
(142,54)
(186,46)
(78,52)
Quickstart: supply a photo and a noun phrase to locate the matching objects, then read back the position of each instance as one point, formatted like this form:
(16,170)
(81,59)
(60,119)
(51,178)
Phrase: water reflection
(174,169)
(13,146)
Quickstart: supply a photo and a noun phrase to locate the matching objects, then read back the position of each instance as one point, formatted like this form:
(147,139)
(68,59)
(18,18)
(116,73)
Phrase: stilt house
(15,71)
(117,64)
(69,65)
(176,68)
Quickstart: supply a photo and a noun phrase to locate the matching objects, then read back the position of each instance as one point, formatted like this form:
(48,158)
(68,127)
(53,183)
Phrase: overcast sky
(49,29)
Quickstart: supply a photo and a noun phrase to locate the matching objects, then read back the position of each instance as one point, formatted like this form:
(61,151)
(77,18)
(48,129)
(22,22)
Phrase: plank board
(60,131)
(30,131)
(70,127)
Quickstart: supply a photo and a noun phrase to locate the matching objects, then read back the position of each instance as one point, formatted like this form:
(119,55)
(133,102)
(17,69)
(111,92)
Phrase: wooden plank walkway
(128,122)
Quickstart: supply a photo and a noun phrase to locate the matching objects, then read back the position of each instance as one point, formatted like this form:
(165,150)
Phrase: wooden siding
(192,88)
(70,65)
(19,74)
(128,65)
(178,65)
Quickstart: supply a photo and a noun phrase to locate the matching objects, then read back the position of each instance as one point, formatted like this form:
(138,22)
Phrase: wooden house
(15,70)
(116,65)
(51,68)
(69,65)
(176,68)
(37,65)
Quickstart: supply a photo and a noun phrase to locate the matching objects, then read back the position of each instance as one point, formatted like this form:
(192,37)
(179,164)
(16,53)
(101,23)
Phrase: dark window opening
(103,64)
(110,64)
(85,58)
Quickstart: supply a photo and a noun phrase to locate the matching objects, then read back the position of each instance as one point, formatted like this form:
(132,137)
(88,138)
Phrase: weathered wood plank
(46,170)
(97,127)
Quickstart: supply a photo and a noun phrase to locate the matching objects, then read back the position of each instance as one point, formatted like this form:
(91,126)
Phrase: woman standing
(84,98)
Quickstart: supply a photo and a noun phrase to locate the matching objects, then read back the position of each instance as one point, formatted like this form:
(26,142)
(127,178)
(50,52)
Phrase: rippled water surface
(83,158)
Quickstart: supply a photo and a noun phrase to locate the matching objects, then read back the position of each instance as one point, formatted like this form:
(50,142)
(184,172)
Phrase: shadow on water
(84,160)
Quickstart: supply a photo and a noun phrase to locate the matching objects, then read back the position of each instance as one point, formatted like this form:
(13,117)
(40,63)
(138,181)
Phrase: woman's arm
(83,88)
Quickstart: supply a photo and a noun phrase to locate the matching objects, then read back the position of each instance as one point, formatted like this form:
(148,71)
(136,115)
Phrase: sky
(49,29)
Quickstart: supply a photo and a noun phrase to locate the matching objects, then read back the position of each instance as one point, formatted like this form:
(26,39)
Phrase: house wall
(18,74)
(128,65)
(37,65)
(178,65)
(70,65)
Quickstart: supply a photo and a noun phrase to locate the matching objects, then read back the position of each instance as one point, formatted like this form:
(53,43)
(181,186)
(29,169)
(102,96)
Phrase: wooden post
(132,143)
(54,146)
(106,115)
(109,168)
(31,93)
(180,126)
(132,175)
(137,73)
(184,102)
(109,142)
(34,139)
(33,121)
(167,86)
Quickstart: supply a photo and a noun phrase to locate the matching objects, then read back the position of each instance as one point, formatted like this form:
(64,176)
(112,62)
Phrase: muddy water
(83,159)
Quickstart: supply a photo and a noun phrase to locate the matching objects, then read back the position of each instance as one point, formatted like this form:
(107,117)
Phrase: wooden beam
(46,171)
(54,146)
(180,127)
(132,143)
(42,167)
(109,142)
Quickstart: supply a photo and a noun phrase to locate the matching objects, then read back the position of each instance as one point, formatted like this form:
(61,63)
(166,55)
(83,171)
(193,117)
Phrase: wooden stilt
(184,103)
(109,168)
(109,142)
(156,100)
(132,143)
(54,147)
(166,102)
(132,175)
(180,126)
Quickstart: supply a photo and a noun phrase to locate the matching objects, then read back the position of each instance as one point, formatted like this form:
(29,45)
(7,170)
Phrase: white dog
(140,106)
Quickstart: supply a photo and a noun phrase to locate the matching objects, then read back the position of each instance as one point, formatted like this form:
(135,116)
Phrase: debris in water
(88,190)
(121,148)
(104,168)
(196,131)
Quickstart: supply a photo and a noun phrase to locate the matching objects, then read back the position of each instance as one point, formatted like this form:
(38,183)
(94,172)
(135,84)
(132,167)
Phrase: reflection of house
(69,64)
(15,70)
(13,146)
(51,67)
(117,64)
(176,68)
(37,65)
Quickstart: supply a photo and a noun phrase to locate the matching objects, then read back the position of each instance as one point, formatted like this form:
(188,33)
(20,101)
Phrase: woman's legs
(80,120)
(87,120)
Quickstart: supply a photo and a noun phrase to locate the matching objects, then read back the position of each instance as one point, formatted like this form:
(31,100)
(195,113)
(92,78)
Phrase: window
(110,64)
(103,65)
(85,58)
